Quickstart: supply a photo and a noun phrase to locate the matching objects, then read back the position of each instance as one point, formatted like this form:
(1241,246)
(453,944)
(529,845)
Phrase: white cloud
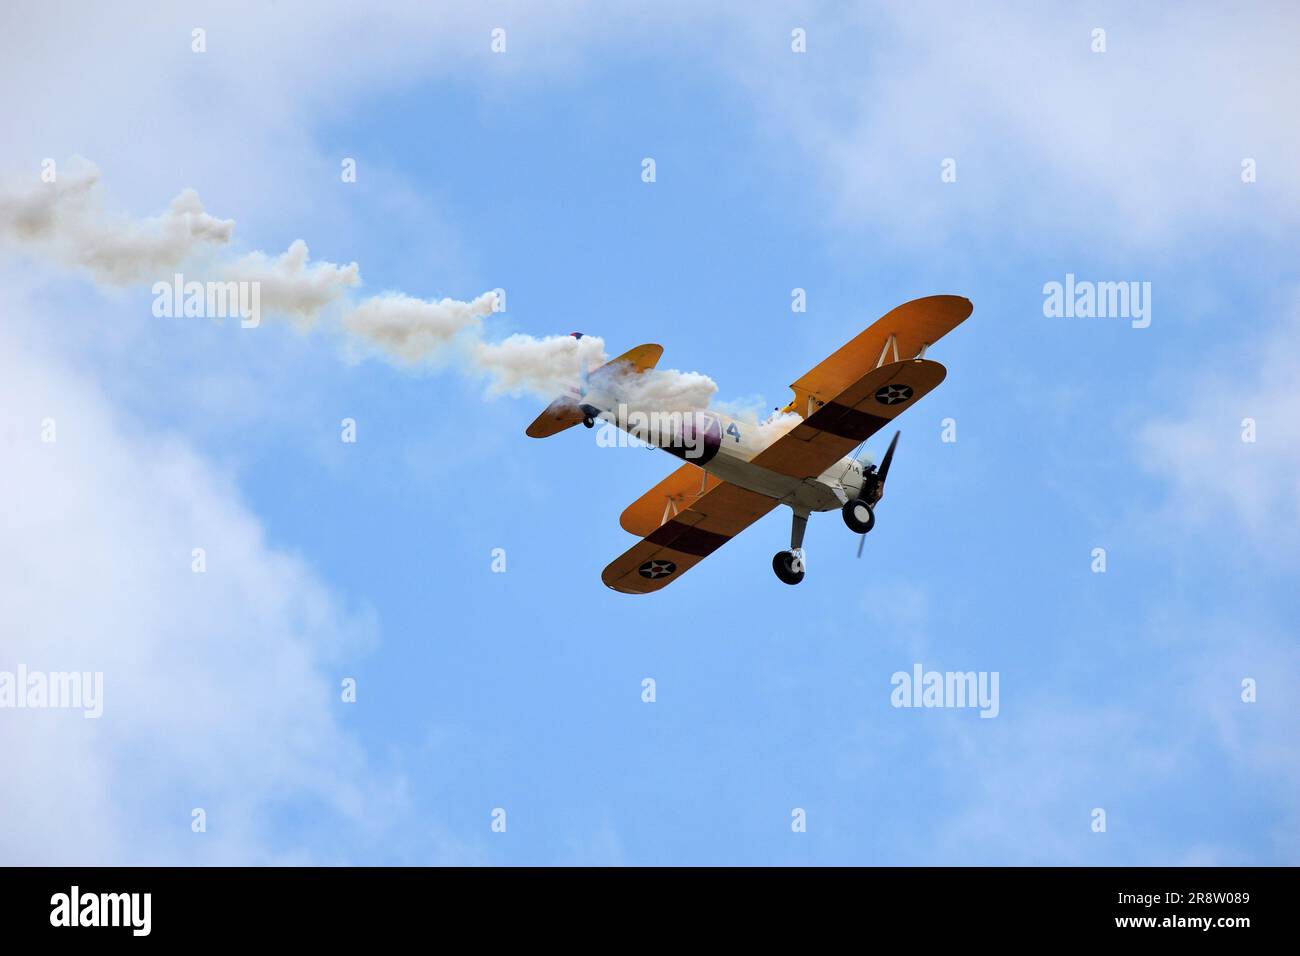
(1134,145)
(237,117)
(221,689)
(1215,478)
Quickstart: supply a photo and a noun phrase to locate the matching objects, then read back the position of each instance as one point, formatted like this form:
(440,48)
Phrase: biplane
(810,456)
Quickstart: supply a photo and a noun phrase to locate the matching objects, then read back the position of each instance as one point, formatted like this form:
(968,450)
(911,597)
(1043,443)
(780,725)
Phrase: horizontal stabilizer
(566,411)
(560,414)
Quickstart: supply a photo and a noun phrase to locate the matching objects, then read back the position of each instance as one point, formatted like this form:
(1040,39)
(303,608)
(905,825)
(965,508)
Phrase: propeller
(887,460)
(873,483)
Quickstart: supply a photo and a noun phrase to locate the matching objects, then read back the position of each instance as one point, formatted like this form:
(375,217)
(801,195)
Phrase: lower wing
(686,539)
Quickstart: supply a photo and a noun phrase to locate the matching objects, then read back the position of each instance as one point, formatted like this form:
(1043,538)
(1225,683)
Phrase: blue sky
(522,690)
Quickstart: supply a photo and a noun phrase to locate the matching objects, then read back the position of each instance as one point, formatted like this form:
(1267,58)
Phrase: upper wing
(902,333)
(844,421)
(686,539)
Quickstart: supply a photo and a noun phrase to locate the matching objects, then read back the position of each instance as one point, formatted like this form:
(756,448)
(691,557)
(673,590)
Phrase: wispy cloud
(221,686)
(1234,454)
(1043,129)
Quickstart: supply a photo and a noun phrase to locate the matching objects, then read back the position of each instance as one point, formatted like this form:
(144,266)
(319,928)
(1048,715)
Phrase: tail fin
(566,411)
(560,414)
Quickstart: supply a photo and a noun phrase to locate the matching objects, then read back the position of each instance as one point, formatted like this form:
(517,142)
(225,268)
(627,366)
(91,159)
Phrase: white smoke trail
(290,285)
(411,330)
(69,222)
(764,428)
(546,366)
(668,390)
(772,428)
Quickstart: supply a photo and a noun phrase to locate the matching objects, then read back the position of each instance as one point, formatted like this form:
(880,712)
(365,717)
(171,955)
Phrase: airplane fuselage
(726,447)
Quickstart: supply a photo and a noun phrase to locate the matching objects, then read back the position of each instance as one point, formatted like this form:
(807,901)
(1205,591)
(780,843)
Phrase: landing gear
(588,422)
(789,565)
(858,516)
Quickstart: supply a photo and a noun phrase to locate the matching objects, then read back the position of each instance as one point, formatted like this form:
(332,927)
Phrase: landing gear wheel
(858,516)
(588,422)
(788,567)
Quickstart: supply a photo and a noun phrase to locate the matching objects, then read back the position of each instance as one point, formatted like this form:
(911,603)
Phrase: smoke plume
(69,222)
(66,221)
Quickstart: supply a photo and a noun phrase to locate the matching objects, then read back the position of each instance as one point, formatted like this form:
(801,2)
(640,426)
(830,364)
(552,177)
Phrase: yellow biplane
(736,472)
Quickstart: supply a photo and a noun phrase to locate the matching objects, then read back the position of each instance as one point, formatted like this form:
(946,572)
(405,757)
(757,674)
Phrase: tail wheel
(788,567)
(858,516)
